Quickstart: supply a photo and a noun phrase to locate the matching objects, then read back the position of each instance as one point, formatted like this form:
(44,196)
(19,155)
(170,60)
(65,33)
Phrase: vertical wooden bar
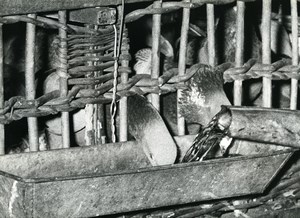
(182,61)
(30,82)
(65,123)
(295,58)
(155,100)
(98,108)
(99,120)
(89,134)
(123,101)
(123,107)
(266,50)
(239,52)
(2,130)
(211,34)
(89,125)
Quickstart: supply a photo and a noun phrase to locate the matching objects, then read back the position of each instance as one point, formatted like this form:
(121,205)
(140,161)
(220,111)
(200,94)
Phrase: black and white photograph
(149,109)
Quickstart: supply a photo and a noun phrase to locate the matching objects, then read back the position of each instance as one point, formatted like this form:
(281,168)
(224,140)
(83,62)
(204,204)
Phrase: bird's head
(144,56)
(203,98)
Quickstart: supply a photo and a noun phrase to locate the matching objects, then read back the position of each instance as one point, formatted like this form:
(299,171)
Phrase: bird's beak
(166,47)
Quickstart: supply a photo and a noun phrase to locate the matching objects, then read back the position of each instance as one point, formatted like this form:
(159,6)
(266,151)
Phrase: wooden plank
(96,16)
(154,187)
(9,7)
(277,126)
(12,198)
(102,159)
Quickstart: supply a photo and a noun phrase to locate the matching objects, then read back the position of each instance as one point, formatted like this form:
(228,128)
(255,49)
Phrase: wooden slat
(12,200)
(154,187)
(89,134)
(211,34)
(2,136)
(104,159)
(182,61)
(65,123)
(266,50)
(239,54)
(156,51)
(123,108)
(276,126)
(124,79)
(30,82)
(9,7)
(295,58)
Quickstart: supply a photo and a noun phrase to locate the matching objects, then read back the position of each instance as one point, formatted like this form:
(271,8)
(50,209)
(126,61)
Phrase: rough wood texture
(182,62)
(63,85)
(30,45)
(9,7)
(97,194)
(276,126)
(32,6)
(95,16)
(155,70)
(239,53)
(13,201)
(2,133)
(266,50)
(102,159)
(295,57)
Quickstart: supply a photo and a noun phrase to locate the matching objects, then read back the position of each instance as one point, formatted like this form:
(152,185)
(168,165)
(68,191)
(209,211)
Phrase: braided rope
(79,42)
(281,70)
(50,103)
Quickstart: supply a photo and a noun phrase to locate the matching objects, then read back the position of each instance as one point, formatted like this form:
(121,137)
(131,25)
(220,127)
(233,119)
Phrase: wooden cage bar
(89,135)
(2,130)
(100,137)
(239,53)
(156,33)
(211,34)
(266,50)
(123,101)
(295,55)
(62,17)
(123,107)
(156,51)
(97,111)
(182,61)
(30,82)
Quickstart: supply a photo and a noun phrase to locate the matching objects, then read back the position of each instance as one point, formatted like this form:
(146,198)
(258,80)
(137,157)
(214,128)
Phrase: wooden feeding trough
(116,178)
(93,69)
(87,182)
